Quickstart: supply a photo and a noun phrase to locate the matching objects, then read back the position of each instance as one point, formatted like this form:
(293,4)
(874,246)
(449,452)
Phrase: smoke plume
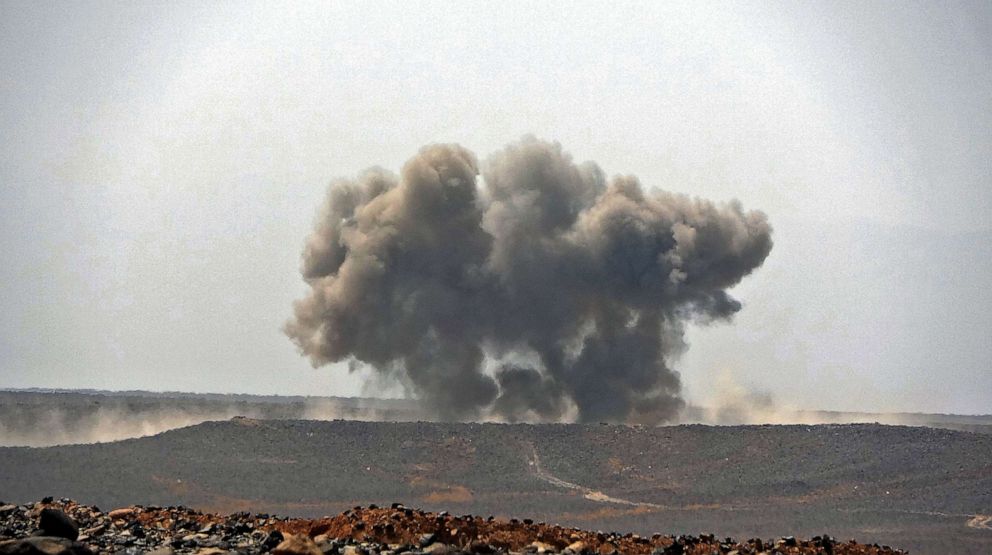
(543,292)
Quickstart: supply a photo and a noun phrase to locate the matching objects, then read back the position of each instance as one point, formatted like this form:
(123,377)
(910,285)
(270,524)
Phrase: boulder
(54,522)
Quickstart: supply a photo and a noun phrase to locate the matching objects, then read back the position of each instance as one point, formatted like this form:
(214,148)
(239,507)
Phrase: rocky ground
(60,527)
(925,490)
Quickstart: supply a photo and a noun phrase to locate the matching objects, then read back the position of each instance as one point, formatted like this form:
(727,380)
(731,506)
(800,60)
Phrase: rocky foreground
(64,527)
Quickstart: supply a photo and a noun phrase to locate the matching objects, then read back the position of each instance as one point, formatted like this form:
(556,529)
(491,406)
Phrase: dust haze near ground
(38,418)
(544,289)
(43,418)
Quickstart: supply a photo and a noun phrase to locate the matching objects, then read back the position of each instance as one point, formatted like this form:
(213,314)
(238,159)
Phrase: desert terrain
(925,489)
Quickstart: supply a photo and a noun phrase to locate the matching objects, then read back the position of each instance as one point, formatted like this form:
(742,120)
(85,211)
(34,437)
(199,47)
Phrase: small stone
(118,514)
(95,531)
(542,547)
(438,548)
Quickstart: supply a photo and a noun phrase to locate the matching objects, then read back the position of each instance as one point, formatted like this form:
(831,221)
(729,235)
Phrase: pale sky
(162,163)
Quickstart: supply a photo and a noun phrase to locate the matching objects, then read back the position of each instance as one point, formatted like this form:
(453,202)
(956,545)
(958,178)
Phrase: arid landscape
(928,490)
(488,277)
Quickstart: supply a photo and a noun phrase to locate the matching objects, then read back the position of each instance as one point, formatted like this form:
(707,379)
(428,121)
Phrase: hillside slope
(918,488)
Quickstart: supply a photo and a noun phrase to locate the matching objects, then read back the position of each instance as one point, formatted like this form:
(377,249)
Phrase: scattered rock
(361,531)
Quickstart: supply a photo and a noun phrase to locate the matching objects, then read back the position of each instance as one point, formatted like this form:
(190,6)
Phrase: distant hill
(918,488)
(39,417)
(44,417)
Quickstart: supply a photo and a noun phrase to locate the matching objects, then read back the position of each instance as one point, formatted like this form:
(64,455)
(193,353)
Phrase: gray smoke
(546,290)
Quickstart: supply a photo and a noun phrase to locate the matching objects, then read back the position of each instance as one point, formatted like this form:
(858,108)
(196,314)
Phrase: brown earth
(399,525)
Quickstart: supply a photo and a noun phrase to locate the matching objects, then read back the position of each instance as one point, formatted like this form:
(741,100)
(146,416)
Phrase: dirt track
(982,522)
(590,494)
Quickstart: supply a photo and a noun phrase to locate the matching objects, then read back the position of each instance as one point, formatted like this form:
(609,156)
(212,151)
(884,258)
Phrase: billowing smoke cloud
(543,292)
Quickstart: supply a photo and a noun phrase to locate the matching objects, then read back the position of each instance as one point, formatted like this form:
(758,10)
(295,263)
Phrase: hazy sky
(162,163)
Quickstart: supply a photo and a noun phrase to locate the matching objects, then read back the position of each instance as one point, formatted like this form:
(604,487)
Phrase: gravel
(397,530)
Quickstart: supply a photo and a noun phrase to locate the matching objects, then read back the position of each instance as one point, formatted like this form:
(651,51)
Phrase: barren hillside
(917,488)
